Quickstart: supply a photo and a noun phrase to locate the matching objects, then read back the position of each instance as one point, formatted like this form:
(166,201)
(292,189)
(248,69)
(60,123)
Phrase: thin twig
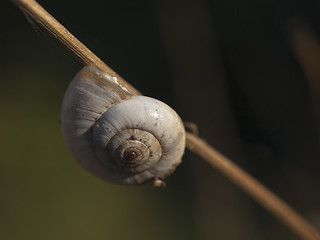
(37,13)
(252,187)
(306,47)
(238,176)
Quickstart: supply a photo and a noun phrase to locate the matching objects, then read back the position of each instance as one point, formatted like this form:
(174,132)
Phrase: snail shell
(117,136)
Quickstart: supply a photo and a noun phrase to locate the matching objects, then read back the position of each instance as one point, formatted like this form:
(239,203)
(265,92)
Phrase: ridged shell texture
(117,136)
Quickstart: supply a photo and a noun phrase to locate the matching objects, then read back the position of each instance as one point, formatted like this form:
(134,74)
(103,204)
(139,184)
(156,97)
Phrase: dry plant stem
(307,50)
(239,177)
(252,187)
(38,14)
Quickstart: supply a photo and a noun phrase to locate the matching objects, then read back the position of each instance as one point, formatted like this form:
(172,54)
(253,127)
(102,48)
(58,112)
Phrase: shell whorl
(117,136)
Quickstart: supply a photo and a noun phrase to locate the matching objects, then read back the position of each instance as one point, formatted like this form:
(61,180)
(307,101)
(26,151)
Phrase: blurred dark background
(246,72)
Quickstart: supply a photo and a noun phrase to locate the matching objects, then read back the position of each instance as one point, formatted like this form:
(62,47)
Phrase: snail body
(117,136)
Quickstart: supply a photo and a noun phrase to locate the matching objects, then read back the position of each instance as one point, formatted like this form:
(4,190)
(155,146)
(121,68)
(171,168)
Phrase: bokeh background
(246,72)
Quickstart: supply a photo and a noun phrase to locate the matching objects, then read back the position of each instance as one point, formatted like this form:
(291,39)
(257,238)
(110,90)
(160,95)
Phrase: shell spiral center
(133,150)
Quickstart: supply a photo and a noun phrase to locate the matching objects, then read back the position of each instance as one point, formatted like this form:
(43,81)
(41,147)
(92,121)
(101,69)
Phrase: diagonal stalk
(234,173)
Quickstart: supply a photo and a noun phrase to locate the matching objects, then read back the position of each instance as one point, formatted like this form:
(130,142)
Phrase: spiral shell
(117,136)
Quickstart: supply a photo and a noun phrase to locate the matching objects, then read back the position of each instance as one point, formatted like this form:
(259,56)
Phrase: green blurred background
(243,71)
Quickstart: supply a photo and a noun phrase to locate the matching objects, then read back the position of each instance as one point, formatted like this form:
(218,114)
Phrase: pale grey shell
(117,136)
